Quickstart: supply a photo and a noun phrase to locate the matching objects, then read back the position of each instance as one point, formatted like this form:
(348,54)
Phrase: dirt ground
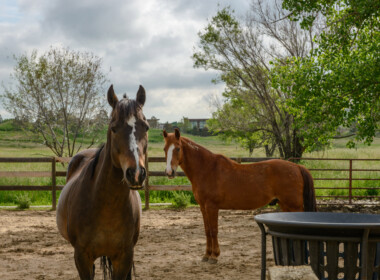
(170,247)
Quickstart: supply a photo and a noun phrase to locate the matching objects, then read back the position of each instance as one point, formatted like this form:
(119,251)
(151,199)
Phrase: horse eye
(177,149)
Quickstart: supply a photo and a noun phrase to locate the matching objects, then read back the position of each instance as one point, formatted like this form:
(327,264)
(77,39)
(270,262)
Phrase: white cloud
(144,42)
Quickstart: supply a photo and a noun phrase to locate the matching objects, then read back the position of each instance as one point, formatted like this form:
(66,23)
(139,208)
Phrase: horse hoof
(212,261)
(205,259)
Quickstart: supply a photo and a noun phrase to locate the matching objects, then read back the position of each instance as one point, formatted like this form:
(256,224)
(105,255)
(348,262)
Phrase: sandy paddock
(171,245)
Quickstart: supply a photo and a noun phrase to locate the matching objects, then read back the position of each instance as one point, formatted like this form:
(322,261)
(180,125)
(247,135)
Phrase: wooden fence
(53,174)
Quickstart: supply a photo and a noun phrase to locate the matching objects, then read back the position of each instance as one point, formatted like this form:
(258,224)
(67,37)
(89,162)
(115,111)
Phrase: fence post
(146,181)
(53,183)
(350,184)
(238,160)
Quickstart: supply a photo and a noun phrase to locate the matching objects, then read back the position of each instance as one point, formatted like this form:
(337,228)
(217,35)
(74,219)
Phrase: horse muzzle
(171,174)
(136,178)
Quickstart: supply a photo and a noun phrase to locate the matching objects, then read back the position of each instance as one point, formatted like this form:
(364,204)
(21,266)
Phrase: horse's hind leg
(84,265)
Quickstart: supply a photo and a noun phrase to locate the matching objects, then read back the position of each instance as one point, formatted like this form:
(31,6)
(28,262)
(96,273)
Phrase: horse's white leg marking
(169,160)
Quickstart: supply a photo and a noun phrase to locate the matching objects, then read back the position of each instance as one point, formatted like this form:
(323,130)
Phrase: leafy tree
(185,125)
(253,110)
(338,84)
(60,95)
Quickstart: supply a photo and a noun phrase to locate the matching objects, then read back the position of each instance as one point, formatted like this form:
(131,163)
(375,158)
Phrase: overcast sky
(146,42)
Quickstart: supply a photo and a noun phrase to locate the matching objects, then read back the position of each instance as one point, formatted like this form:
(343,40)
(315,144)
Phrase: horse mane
(198,147)
(95,160)
(193,145)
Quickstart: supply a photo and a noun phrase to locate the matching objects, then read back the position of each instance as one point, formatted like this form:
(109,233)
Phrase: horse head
(173,152)
(128,137)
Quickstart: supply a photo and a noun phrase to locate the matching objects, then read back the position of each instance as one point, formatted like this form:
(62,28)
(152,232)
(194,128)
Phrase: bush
(372,192)
(181,200)
(23,201)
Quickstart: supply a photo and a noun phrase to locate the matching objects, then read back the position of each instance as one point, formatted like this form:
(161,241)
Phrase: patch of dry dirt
(170,247)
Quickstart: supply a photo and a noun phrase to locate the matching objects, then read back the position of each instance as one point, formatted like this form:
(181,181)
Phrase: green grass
(331,184)
(16,143)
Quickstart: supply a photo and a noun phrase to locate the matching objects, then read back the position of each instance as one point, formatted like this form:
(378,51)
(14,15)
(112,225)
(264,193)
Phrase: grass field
(15,143)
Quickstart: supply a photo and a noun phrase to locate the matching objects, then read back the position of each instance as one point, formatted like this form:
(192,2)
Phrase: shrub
(181,200)
(372,192)
(23,201)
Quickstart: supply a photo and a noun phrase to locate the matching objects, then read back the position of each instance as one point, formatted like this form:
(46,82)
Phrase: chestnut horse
(99,208)
(220,183)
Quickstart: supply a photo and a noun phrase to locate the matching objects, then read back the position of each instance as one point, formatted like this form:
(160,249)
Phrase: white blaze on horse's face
(169,170)
(132,141)
(133,145)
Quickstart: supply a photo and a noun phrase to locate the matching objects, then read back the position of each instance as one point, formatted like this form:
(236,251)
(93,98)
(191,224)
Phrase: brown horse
(221,183)
(99,208)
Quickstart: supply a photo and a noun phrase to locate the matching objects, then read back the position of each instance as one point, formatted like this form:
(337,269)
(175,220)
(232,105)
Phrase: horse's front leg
(85,264)
(212,214)
(207,255)
(122,266)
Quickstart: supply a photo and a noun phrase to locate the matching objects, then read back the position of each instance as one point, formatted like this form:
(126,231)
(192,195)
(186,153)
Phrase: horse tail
(309,201)
(105,263)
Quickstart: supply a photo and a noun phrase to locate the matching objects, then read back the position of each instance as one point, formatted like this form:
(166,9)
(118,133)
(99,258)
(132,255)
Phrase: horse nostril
(143,172)
(130,174)
(142,175)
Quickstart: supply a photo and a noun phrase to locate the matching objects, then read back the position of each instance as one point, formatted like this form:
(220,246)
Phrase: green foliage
(181,200)
(23,201)
(9,125)
(338,84)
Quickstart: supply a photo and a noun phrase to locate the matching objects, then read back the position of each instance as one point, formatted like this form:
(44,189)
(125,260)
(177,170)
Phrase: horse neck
(194,157)
(108,179)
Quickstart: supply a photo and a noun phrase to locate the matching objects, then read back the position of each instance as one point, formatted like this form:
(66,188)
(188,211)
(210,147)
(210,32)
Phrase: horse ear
(112,98)
(140,96)
(177,133)
(165,133)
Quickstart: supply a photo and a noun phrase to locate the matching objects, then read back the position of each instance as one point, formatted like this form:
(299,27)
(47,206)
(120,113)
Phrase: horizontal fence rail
(350,169)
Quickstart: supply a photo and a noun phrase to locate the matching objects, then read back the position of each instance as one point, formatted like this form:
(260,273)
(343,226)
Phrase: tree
(338,83)
(185,125)
(60,95)
(241,53)
(168,127)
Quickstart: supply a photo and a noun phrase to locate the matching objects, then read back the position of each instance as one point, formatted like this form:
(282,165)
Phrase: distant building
(198,123)
(153,122)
